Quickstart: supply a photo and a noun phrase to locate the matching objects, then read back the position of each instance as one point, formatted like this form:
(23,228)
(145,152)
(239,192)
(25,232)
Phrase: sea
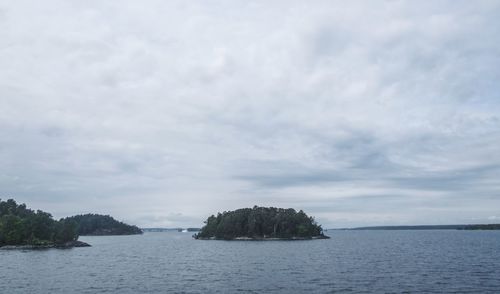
(433,261)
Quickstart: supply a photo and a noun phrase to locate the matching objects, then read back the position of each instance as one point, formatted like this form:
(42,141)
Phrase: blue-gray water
(351,261)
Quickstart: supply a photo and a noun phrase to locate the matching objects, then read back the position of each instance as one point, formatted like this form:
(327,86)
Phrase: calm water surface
(351,261)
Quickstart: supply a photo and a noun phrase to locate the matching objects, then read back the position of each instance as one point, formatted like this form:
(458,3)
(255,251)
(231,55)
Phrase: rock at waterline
(66,245)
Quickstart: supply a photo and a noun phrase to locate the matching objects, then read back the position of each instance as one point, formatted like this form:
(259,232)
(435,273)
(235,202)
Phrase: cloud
(188,108)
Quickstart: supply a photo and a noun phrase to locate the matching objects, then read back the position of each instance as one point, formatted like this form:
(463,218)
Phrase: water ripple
(349,262)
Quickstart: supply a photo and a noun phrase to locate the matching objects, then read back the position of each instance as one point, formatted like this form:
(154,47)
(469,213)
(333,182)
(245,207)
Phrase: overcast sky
(161,113)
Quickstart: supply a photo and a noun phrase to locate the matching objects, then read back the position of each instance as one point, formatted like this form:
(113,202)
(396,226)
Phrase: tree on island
(96,224)
(22,226)
(261,223)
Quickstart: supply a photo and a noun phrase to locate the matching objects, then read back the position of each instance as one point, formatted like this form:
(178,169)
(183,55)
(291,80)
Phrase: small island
(101,225)
(23,228)
(261,223)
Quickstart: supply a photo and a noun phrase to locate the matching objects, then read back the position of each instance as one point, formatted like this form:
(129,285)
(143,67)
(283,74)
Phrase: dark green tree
(96,224)
(22,226)
(260,222)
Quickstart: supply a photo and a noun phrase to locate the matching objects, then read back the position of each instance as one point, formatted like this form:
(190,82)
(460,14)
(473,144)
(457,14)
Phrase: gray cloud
(361,113)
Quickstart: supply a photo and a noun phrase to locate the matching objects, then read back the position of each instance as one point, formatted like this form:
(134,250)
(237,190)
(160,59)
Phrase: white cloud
(190,107)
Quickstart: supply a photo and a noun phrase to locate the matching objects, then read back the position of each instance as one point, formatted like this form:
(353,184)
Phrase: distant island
(101,225)
(261,223)
(433,227)
(157,230)
(21,227)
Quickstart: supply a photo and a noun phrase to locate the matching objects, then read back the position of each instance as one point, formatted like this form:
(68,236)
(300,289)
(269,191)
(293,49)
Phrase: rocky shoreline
(67,245)
(267,238)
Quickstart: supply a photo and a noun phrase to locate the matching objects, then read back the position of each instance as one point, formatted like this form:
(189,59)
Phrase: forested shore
(261,223)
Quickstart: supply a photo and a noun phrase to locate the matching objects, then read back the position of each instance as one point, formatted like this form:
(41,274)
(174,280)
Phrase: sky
(162,113)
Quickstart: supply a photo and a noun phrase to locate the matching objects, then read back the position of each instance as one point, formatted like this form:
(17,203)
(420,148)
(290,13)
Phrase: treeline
(22,226)
(96,225)
(259,223)
(434,227)
(482,227)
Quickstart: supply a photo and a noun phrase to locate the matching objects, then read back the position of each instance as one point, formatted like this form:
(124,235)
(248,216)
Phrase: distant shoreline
(488,227)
